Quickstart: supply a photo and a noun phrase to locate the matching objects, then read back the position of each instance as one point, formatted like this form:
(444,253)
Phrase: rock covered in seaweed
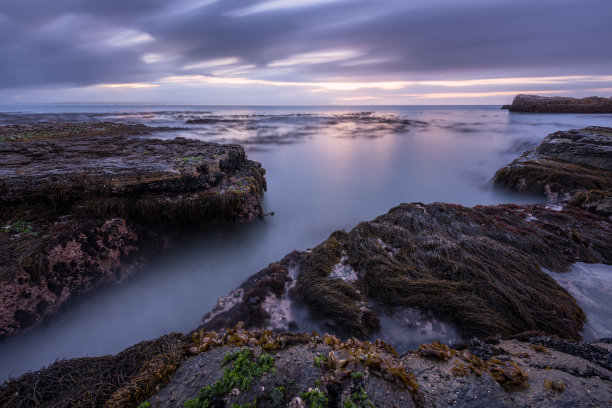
(565,163)
(479,268)
(81,203)
(117,381)
(559,104)
(238,366)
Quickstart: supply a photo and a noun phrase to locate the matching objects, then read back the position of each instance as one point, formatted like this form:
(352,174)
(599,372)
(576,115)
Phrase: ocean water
(328,168)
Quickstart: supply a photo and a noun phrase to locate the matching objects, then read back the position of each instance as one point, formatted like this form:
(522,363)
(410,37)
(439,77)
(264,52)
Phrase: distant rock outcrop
(559,104)
(81,203)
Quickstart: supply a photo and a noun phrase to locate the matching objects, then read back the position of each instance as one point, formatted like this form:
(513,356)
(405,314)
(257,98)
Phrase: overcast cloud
(290,51)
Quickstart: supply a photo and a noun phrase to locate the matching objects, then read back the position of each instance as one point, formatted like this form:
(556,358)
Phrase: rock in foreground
(478,268)
(559,104)
(236,367)
(564,163)
(81,203)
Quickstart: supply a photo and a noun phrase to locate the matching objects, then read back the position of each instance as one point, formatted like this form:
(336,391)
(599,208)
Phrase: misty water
(327,168)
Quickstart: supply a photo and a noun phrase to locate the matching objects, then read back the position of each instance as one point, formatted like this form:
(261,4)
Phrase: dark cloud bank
(79,42)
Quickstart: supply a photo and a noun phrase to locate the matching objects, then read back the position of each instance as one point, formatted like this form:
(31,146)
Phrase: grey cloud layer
(67,42)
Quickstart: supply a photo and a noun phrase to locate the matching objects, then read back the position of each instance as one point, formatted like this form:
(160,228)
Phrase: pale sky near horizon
(275,52)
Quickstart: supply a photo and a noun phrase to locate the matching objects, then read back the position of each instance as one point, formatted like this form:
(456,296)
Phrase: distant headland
(559,104)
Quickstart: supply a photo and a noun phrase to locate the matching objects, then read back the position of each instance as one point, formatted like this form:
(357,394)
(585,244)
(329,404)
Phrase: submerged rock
(564,163)
(559,104)
(479,268)
(80,205)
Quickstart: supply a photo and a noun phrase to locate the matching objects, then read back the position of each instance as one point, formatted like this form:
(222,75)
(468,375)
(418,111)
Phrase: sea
(327,168)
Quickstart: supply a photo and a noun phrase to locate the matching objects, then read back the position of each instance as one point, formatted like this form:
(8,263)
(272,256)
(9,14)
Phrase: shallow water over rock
(407,328)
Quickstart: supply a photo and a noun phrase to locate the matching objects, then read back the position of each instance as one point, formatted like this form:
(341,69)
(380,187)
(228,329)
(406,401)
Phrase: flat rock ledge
(559,104)
(564,164)
(80,204)
(260,368)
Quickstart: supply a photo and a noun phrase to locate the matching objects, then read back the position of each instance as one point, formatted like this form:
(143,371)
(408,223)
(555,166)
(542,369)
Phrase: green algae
(320,361)
(314,398)
(361,399)
(277,396)
(245,368)
(19,227)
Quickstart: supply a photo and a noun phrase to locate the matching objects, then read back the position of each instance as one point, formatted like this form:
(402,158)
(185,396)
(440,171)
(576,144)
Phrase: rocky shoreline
(83,203)
(559,104)
(478,269)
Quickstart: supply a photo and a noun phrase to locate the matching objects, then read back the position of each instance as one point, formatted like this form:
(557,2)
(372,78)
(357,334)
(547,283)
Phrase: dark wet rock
(478,268)
(82,203)
(592,353)
(480,348)
(564,163)
(559,104)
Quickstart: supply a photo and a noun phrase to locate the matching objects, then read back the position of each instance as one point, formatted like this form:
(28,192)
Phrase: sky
(300,52)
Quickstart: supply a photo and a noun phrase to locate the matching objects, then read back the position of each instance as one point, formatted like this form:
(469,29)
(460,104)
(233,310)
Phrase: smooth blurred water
(327,168)
(591,286)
